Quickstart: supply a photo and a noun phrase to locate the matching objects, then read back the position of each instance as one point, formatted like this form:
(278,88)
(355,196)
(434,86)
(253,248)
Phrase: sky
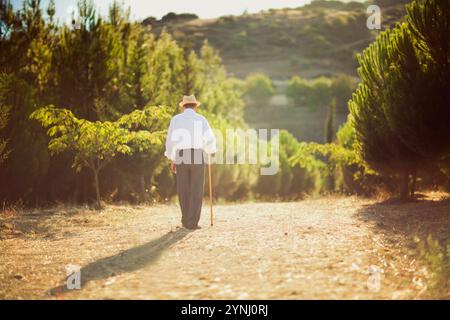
(141,9)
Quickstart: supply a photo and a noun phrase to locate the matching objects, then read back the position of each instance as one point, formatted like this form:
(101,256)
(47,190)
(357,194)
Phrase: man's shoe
(193,228)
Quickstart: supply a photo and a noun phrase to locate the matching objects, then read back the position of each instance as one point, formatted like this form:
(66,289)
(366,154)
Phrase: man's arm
(169,153)
(209,139)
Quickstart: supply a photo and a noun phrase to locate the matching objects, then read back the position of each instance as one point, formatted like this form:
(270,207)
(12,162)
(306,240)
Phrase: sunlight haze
(141,9)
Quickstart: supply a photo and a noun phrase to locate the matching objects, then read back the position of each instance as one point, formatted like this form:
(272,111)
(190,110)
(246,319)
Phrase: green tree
(87,61)
(321,94)
(401,106)
(99,68)
(342,88)
(417,96)
(118,18)
(27,164)
(95,144)
(259,88)
(315,93)
(290,181)
(380,146)
(298,90)
(4,115)
(166,63)
(221,96)
(138,69)
(4,111)
(190,72)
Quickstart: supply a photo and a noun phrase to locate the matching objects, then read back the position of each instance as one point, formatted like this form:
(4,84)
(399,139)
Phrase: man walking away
(189,137)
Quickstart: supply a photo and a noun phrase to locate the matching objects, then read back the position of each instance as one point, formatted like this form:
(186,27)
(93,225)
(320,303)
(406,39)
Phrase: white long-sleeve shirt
(189,130)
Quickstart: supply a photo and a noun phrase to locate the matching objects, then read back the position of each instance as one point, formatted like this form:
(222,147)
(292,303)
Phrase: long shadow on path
(125,261)
(417,218)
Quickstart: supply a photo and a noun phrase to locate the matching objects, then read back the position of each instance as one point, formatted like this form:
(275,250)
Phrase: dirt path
(310,249)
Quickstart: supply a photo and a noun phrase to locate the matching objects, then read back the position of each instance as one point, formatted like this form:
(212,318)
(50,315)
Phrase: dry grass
(317,248)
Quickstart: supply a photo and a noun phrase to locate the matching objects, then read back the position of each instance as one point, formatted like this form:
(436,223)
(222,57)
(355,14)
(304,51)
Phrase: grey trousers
(190,182)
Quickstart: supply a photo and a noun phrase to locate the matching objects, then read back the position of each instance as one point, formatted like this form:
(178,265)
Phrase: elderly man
(189,138)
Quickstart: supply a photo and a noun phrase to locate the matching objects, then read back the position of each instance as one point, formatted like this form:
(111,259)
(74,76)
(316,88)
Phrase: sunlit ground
(317,248)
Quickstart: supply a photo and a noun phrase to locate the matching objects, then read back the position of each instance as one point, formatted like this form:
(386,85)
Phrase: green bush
(290,182)
(319,92)
(259,88)
(299,90)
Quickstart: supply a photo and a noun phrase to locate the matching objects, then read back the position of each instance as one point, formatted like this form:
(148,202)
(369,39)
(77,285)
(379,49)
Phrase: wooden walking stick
(210,191)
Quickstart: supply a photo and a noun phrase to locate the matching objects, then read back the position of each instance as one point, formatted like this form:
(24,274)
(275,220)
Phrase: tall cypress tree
(329,122)
(417,99)
(400,109)
(87,58)
(189,73)
(137,69)
(379,145)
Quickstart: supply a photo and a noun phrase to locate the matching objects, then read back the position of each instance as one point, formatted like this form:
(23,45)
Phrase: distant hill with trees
(319,39)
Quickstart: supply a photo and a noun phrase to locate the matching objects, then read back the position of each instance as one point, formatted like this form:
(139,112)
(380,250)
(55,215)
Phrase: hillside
(318,39)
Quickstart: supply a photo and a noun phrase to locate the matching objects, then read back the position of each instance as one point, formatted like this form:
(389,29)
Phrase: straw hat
(188,100)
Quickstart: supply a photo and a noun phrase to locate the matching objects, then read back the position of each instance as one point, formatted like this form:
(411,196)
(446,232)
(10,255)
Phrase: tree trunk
(330,182)
(97,189)
(76,192)
(413,183)
(404,185)
(143,193)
